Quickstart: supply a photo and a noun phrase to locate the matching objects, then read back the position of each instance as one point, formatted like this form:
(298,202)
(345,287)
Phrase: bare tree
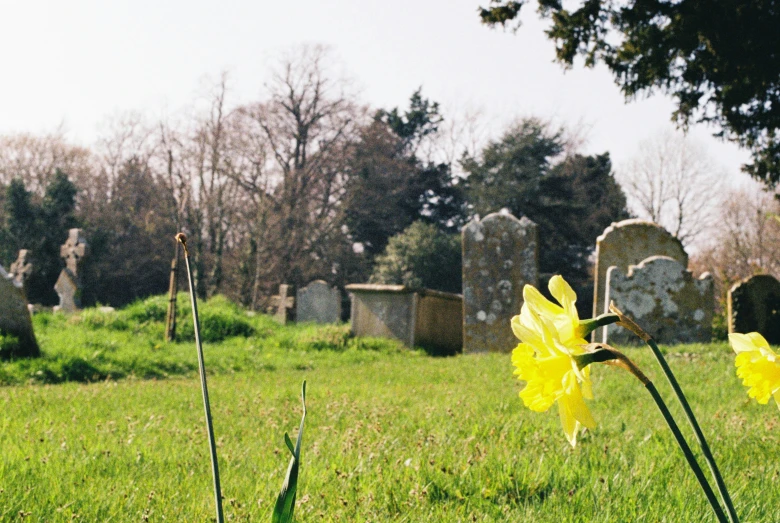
(35,159)
(747,240)
(673,182)
(295,150)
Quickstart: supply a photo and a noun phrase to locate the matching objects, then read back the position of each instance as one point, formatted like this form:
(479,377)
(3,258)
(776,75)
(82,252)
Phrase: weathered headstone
(417,317)
(22,268)
(281,303)
(15,316)
(318,303)
(627,243)
(500,256)
(754,306)
(663,298)
(68,284)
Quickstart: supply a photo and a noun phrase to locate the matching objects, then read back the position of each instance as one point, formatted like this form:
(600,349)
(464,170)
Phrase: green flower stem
(588,326)
(705,448)
(603,353)
(687,452)
(201,366)
(636,329)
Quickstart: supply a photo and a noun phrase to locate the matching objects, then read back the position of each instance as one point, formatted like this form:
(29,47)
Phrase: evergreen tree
(572,199)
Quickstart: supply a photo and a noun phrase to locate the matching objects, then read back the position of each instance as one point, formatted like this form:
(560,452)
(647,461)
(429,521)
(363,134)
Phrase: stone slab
(416,317)
(500,256)
(664,299)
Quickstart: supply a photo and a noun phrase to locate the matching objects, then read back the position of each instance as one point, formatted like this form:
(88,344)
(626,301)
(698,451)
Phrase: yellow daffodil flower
(757,365)
(551,336)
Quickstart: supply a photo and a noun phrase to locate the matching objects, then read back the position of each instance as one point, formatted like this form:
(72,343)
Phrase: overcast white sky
(79,61)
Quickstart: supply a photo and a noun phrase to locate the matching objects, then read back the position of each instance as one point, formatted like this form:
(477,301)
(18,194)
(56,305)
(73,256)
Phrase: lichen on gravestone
(664,299)
(500,256)
(627,243)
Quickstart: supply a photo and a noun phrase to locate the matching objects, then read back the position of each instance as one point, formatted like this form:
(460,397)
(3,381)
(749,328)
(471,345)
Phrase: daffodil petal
(576,404)
(539,303)
(565,295)
(758,340)
(570,425)
(525,331)
(747,342)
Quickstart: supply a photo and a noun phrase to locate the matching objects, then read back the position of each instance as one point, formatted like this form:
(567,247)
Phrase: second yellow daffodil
(758,366)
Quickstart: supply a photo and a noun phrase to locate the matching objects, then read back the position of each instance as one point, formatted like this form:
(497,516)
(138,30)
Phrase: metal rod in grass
(602,353)
(201,366)
(629,324)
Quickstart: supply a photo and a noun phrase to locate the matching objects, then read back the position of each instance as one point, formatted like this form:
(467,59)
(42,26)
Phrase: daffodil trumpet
(602,353)
(628,323)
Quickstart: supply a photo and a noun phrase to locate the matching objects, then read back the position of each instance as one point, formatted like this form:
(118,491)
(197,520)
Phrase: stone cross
(74,249)
(282,302)
(500,256)
(22,268)
(664,299)
(627,243)
(754,306)
(68,284)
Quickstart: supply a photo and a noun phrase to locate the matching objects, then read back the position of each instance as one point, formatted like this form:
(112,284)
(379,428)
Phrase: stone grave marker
(500,256)
(318,303)
(281,303)
(663,298)
(754,306)
(15,315)
(418,317)
(22,268)
(627,243)
(68,284)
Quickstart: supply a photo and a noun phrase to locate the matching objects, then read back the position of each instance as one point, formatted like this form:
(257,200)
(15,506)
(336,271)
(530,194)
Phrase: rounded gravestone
(627,243)
(499,258)
(754,306)
(318,303)
(663,298)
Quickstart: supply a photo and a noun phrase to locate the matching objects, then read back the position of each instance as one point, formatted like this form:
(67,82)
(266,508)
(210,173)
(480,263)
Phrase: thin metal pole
(173,287)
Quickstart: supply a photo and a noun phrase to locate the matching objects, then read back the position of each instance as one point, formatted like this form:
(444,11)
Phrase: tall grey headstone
(754,306)
(318,303)
(500,256)
(627,243)
(22,268)
(15,316)
(68,284)
(663,298)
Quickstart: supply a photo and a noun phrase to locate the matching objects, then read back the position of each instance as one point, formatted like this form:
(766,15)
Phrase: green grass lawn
(391,435)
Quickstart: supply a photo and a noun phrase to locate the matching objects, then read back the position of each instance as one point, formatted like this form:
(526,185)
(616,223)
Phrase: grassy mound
(94,345)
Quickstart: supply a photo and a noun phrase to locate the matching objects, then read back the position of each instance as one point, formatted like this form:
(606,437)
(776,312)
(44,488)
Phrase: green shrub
(219,319)
(421,256)
(154,308)
(96,319)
